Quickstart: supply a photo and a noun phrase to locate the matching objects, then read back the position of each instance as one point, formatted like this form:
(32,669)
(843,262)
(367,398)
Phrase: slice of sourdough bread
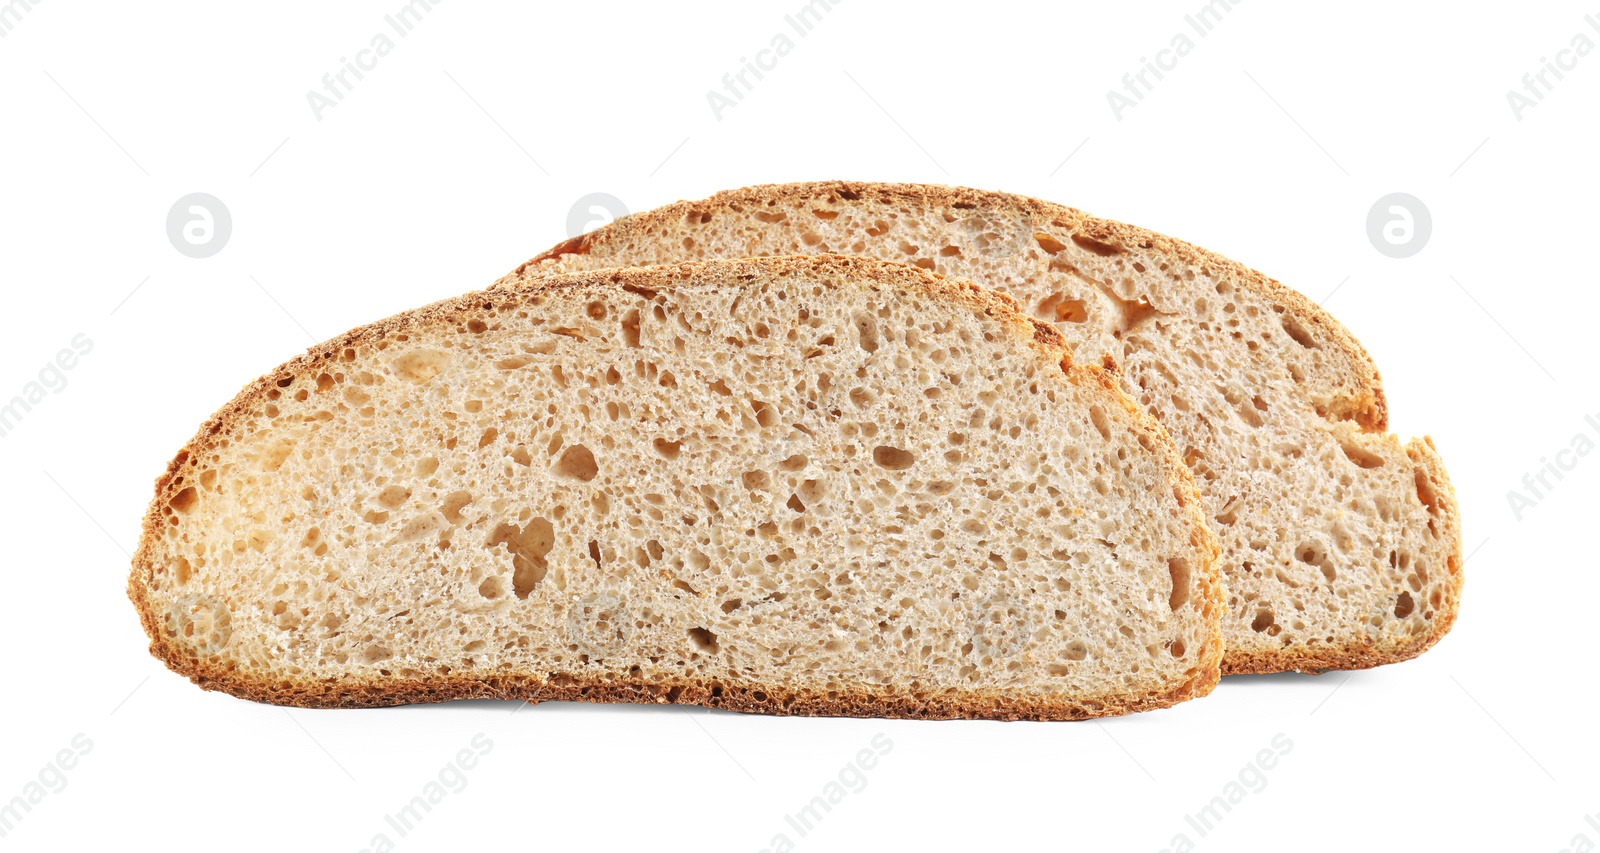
(813,485)
(1341,546)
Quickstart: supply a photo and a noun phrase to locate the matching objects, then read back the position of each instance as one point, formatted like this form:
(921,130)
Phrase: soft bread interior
(807,485)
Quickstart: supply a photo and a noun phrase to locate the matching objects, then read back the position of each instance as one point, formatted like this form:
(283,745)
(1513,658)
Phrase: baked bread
(1341,546)
(813,485)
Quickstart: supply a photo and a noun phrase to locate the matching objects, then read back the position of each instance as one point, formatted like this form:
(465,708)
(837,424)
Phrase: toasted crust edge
(1369,410)
(311,693)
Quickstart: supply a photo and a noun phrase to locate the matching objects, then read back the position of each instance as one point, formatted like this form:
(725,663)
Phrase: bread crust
(1368,408)
(758,698)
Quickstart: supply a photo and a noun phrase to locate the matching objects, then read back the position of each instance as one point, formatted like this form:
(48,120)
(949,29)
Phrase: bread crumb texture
(1341,545)
(797,485)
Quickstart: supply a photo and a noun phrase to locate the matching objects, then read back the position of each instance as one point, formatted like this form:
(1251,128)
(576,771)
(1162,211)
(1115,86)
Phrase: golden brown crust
(1368,408)
(758,699)
(311,693)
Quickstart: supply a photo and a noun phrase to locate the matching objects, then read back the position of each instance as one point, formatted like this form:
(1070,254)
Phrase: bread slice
(814,485)
(1341,546)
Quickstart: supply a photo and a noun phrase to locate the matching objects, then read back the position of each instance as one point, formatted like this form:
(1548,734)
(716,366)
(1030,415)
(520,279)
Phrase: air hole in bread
(184,501)
(393,496)
(1059,308)
(703,640)
(421,527)
(1248,412)
(893,458)
(1089,244)
(766,415)
(1178,568)
(1429,498)
(1097,416)
(420,365)
(631,328)
(1311,554)
(453,504)
(576,463)
(866,331)
(1362,458)
(1049,244)
(528,545)
(1298,332)
(1134,312)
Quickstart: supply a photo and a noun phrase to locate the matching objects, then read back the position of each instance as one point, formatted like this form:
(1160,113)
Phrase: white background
(1269,143)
